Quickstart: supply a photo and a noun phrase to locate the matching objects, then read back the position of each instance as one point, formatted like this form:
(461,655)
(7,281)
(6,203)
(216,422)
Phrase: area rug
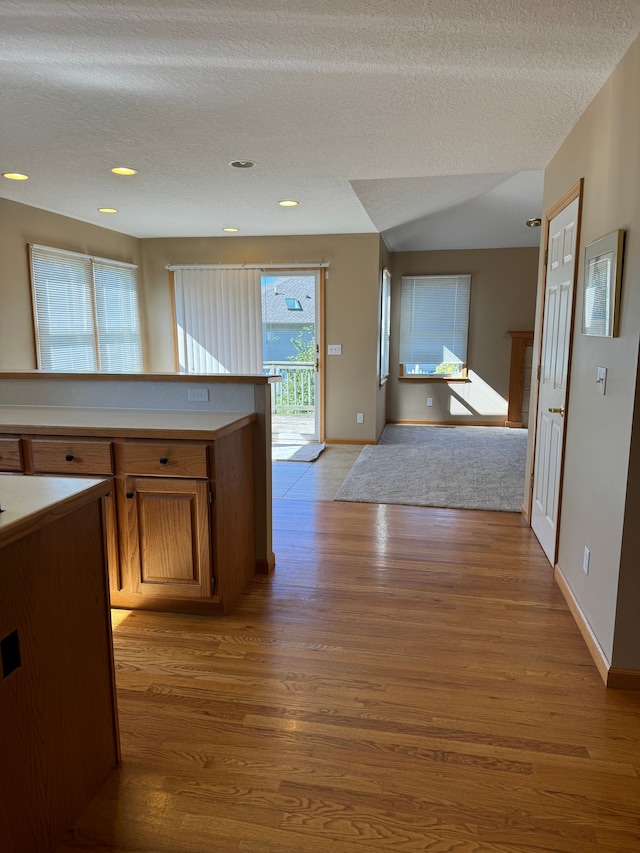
(457,467)
(296,452)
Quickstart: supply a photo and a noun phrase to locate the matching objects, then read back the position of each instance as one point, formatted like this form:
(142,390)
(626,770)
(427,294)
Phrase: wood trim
(266,566)
(623,679)
(94,306)
(34,315)
(431,377)
(613,677)
(212,378)
(572,193)
(594,647)
(195,606)
(174,320)
(519,343)
(356,441)
(322,350)
(576,191)
(445,423)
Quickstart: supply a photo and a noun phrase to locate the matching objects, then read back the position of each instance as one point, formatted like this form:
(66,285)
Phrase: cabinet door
(10,455)
(168,537)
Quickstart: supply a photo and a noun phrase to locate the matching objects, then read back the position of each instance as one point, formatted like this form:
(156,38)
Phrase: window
(434,323)
(385,325)
(85,311)
(293,304)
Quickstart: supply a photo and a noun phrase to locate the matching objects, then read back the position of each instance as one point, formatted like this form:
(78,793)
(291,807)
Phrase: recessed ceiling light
(242,164)
(287,202)
(107,210)
(231,230)
(534,223)
(124,170)
(15,176)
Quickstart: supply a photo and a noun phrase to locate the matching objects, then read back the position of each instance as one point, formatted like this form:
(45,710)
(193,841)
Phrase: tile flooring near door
(319,480)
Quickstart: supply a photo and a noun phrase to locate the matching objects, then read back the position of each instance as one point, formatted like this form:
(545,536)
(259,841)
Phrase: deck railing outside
(296,393)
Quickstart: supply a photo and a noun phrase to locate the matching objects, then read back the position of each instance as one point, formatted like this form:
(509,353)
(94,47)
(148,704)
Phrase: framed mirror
(601,286)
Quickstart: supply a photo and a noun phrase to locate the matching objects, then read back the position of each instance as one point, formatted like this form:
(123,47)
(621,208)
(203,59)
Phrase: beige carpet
(457,467)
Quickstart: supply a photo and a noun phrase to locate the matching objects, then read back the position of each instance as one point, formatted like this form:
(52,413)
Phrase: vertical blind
(434,320)
(218,320)
(86,312)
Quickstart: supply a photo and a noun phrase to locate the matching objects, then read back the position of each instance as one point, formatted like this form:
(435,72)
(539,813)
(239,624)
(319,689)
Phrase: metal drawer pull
(163,460)
(69,457)
(129,495)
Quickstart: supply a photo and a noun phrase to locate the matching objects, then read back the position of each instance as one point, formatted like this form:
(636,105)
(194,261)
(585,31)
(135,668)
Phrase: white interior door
(552,389)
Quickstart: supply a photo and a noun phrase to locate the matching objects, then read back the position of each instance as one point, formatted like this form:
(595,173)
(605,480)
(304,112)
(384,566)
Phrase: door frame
(575,192)
(320,273)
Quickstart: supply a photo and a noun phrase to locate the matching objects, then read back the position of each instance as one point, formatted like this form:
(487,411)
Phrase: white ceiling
(427,121)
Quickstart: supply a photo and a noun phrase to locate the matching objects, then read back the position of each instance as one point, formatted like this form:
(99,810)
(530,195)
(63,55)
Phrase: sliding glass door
(291,349)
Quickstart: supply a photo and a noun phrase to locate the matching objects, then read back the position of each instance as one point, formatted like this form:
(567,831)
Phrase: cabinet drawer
(151,459)
(59,456)
(10,454)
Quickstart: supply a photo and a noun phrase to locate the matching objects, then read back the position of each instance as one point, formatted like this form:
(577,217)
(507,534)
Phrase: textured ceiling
(427,121)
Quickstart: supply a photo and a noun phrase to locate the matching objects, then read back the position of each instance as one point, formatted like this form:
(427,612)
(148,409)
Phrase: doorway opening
(291,349)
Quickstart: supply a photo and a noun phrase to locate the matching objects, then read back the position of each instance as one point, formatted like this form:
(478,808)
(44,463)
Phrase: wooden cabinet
(71,456)
(59,730)
(180,520)
(166,537)
(10,454)
(159,459)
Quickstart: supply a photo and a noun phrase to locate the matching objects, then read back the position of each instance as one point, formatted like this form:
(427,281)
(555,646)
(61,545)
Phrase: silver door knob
(559,411)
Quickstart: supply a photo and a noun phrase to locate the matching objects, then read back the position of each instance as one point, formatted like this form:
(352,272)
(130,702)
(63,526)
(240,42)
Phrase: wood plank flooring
(408,680)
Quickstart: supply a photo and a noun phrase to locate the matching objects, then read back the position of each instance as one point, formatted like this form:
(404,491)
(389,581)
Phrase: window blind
(85,312)
(117,317)
(434,322)
(218,320)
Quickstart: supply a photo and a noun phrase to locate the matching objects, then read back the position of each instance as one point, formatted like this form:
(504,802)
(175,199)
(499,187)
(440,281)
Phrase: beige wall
(19,226)
(503,295)
(600,505)
(351,312)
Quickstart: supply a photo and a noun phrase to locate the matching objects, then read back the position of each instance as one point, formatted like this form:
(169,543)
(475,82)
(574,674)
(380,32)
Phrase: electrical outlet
(198,395)
(585,560)
(429,401)
(360,418)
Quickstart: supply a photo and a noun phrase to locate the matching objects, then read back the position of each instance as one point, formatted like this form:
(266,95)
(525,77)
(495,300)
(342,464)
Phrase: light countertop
(52,420)
(31,502)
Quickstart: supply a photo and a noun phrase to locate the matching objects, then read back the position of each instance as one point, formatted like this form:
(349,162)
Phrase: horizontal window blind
(117,317)
(434,321)
(85,311)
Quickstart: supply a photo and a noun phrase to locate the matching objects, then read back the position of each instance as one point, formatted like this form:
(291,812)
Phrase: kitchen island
(59,732)
(189,521)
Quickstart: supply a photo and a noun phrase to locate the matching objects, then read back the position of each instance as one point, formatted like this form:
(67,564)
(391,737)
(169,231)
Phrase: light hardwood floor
(408,680)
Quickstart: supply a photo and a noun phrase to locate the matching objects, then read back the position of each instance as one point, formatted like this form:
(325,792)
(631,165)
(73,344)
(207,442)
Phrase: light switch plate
(334,349)
(601,381)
